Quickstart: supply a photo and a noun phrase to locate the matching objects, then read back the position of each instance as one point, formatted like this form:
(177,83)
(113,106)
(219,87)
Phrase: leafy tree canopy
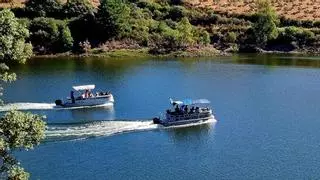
(44,8)
(12,39)
(112,16)
(265,28)
(75,8)
(18,130)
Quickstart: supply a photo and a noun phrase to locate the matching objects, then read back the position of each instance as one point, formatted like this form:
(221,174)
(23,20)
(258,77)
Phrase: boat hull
(89,102)
(167,123)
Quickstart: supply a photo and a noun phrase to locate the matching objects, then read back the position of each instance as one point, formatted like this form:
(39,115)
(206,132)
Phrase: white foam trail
(105,128)
(27,106)
(41,106)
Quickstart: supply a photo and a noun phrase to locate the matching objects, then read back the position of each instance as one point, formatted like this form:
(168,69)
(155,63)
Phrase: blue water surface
(267,111)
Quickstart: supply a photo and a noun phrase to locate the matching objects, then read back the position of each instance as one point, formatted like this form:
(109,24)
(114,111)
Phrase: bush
(44,8)
(297,35)
(165,40)
(49,35)
(152,6)
(176,2)
(112,18)
(202,36)
(75,8)
(316,24)
(176,13)
(230,37)
(84,28)
(65,40)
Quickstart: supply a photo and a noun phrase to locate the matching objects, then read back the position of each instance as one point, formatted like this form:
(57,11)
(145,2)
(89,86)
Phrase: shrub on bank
(75,8)
(44,8)
(49,35)
(230,37)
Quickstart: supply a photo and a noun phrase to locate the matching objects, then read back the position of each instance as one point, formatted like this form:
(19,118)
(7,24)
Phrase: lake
(266,107)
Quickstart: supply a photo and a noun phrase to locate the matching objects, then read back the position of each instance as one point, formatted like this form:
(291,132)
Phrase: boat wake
(76,131)
(41,106)
(62,132)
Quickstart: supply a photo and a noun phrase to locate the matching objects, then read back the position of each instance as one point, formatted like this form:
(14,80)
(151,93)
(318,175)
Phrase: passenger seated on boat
(186,109)
(168,111)
(192,110)
(72,97)
(197,109)
(86,94)
(177,110)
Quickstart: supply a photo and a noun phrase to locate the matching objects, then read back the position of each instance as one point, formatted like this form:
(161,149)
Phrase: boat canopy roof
(190,102)
(84,87)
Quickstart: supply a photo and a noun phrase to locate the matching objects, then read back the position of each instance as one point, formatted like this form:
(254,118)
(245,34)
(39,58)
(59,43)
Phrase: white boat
(186,112)
(86,97)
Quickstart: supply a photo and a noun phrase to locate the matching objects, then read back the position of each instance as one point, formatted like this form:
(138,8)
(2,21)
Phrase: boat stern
(156,121)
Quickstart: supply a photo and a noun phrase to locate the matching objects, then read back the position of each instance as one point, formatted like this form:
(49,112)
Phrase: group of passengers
(88,94)
(184,109)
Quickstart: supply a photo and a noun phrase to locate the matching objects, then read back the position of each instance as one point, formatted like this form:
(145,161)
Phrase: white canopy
(190,102)
(84,87)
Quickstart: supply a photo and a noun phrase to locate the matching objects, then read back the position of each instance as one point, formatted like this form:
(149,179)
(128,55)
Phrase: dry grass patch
(292,9)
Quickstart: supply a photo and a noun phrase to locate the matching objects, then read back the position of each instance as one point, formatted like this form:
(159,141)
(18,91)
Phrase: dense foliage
(18,130)
(112,18)
(265,27)
(158,25)
(75,8)
(49,35)
(12,39)
(43,8)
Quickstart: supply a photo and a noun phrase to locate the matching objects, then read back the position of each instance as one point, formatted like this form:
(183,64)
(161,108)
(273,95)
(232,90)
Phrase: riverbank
(161,29)
(191,52)
(141,53)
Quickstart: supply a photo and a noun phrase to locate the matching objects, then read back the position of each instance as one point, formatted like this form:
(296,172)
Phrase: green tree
(50,35)
(185,30)
(18,130)
(12,39)
(75,8)
(176,13)
(265,27)
(112,18)
(230,37)
(44,8)
(201,36)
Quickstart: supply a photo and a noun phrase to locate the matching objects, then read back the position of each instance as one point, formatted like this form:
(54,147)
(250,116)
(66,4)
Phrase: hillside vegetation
(161,27)
(292,9)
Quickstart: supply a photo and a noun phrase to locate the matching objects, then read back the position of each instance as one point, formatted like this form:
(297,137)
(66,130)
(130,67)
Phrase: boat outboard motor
(156,120)
(58,102)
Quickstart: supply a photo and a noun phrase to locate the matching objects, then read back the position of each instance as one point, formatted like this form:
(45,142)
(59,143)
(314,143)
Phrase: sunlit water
(266,126)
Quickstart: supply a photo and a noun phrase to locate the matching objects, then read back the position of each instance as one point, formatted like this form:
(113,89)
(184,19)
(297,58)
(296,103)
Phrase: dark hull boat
(182,114)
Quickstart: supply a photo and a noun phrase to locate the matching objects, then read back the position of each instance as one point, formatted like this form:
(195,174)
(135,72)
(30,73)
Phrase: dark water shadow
(278,60)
